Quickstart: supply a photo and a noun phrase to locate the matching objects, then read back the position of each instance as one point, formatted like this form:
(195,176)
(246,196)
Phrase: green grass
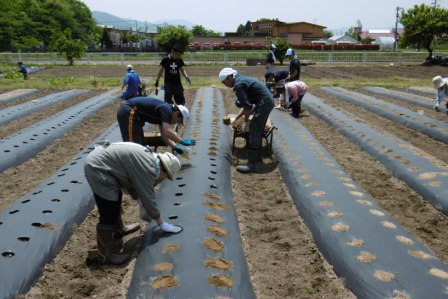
(96,82)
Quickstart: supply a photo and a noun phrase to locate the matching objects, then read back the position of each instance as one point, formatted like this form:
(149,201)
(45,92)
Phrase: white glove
(243,126)
(170,228)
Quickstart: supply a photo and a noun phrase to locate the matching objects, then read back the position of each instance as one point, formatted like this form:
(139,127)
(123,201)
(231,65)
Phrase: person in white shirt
(440,84)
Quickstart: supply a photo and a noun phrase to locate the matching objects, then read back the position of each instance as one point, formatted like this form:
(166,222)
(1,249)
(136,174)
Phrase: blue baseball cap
(289,52)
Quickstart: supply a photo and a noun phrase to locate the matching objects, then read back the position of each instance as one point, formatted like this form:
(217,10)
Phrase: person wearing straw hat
(440,84)
(112,168)
(132,83)
(134,113)
(253,97)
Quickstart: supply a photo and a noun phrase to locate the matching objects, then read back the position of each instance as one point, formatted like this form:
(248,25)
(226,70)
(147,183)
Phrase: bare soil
(284,261)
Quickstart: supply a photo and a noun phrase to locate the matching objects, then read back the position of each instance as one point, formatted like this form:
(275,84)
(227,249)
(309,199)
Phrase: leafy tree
(64,43)
(327,33)
(171,36)
(105,40)
(26,24)
(422,24)
(282,45)
(199,30)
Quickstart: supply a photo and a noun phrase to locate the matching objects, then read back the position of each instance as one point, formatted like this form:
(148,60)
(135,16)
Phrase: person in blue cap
(294,65)
(132,83)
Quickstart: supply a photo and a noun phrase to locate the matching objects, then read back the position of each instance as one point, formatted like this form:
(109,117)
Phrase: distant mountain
(177,22)
(104,18)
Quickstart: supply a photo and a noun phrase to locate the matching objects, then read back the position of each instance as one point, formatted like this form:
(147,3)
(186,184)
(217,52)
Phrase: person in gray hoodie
(111,169)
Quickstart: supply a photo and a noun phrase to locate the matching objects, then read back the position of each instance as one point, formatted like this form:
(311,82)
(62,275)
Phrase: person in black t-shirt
(173,66)
(294,65)
(137,111)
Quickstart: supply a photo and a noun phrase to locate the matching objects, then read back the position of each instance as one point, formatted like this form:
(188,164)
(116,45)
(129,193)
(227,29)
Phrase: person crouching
(113,167)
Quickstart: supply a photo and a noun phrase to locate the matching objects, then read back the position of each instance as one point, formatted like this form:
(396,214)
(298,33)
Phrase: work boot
(122,230)
(105,242)
(245,169)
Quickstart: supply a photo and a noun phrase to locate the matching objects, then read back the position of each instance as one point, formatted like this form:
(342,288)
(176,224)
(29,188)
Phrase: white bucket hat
(438,81)
(170,163)
(185,114)
(225,72)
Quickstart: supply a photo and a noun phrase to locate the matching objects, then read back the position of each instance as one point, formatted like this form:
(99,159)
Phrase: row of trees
(67,26)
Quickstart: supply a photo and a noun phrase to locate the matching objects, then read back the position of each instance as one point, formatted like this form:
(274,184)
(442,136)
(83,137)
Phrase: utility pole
(397,16)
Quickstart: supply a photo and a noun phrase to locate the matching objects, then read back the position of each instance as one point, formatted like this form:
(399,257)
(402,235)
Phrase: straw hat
(438,81)
(170,163)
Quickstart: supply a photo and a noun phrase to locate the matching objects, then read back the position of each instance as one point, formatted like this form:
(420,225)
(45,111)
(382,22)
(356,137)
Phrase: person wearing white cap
(440,84)
(133,115)
(253,97)
(112,168)
(132,83)
(270,58)
(294,65)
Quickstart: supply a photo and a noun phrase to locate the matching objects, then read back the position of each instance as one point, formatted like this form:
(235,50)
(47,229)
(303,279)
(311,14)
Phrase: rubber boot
(251,165)
(105,243)
(122,230)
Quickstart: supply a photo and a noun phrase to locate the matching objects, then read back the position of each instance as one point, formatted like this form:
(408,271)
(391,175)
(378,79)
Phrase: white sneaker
(278,107)
(436,108)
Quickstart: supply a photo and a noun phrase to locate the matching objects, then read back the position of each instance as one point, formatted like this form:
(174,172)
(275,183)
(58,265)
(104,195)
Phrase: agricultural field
(291,249)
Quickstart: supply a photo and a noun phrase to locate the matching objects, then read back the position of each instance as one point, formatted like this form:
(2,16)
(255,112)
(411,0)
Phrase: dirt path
(283,259)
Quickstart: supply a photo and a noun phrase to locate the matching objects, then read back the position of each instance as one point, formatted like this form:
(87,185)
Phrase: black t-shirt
(294,65)
(172,69)
(152,110)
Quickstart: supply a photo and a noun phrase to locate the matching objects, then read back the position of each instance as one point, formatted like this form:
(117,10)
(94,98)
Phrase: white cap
(289,52)
(129,67)
(273,46)
(185,114)
(225,72)
(171,164)
(438,81)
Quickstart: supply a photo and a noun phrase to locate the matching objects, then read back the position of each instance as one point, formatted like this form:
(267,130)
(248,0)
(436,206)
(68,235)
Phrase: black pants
(296,107)
(109,211)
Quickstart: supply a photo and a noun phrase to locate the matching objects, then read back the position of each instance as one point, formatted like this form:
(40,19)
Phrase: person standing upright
(173,65)
(132,83)
(270,59)
(253,97)
(294,65)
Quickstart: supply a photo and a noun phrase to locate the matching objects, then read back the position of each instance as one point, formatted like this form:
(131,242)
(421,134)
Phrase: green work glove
(188,142)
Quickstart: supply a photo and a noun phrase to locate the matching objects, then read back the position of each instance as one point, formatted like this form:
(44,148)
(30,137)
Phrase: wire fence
(221,57)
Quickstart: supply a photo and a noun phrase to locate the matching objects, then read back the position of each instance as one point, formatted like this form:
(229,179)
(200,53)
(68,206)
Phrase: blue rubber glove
(188,142)
(179,149)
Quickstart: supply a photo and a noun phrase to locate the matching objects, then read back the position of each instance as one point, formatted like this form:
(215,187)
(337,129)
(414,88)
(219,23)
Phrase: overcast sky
(226,16)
